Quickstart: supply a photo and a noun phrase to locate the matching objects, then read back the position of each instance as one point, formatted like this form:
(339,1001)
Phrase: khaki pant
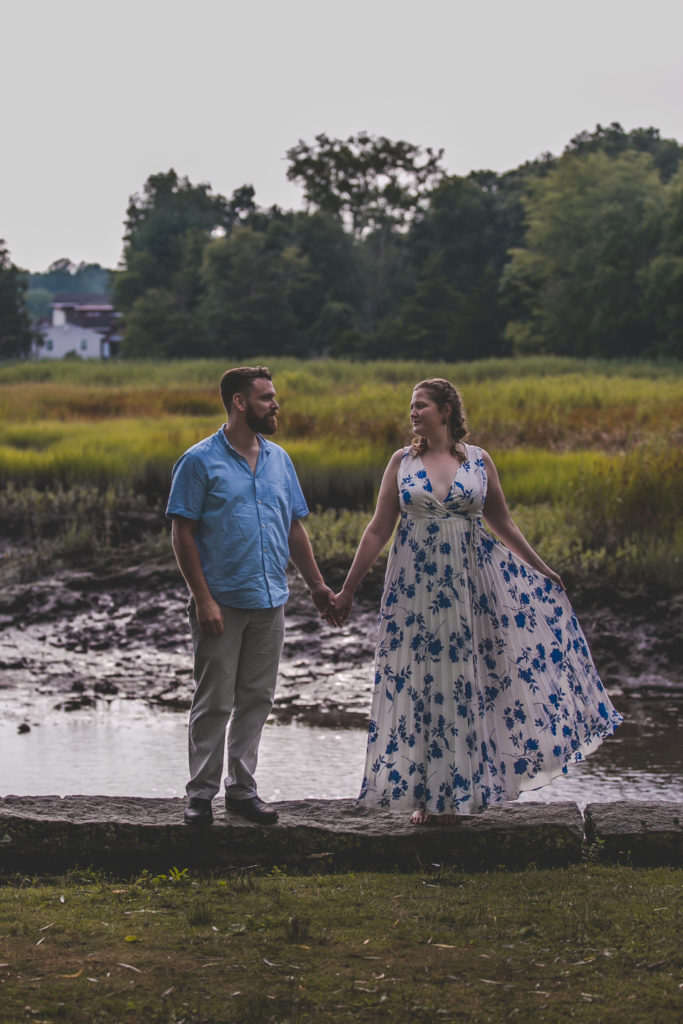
(235,675)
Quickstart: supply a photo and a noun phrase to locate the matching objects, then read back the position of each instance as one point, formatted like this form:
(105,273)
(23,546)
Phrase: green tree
(248,287)
(15,328)
(613,140)
(161,235)
(369,181)
(458,249)
(375,186)
(38,303)
(65,276)
(328,293)
(156,328)
(662,279)
(593,224)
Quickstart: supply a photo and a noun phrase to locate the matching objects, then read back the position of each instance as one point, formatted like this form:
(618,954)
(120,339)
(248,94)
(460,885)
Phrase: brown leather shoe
(198,812)
(252,808)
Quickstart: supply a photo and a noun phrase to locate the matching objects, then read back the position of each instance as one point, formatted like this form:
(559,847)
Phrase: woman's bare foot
(422,818)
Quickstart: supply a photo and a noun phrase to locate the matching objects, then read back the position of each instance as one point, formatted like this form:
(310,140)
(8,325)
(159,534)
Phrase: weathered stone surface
(636,832)
(125,835)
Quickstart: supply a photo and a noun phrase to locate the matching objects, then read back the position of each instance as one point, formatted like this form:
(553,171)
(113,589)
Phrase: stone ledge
(638,833)
(124,835)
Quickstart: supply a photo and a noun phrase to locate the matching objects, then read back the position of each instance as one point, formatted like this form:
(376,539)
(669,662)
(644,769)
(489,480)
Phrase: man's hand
(322,596)
(210,617)
(338,609)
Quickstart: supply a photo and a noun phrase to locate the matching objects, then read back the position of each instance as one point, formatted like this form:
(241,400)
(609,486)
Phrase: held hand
(210,617)
(322,599)
(341,606)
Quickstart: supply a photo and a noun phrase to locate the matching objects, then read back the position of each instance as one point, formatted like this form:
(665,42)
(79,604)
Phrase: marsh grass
(587,451)
(552,402)
(588,943)
(337,372)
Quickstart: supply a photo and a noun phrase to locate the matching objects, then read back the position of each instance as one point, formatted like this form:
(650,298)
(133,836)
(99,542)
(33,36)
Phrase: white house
(84,325)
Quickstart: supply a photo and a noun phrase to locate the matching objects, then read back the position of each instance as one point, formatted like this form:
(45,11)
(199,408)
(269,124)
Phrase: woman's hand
(340,606)
(552,575)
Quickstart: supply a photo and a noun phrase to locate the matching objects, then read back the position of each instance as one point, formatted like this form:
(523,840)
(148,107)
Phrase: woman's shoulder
(399,455)
(475,453)
(397,459)
(484,459)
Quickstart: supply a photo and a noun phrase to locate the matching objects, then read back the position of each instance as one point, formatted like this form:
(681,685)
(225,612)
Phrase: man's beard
(261,424)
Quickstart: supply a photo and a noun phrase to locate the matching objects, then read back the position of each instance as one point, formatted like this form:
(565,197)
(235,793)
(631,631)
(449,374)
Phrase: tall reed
(587,451)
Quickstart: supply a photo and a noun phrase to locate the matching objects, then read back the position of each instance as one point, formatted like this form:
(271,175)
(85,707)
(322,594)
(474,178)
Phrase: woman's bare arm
(497,516)
(377,533)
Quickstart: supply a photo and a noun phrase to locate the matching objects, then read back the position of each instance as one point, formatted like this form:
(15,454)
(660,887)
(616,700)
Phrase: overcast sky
(97,96)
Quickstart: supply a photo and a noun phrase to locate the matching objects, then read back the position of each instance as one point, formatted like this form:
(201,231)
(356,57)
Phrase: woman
(484,684)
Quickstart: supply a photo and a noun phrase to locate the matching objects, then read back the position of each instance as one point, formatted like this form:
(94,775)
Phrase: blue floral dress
(484,684)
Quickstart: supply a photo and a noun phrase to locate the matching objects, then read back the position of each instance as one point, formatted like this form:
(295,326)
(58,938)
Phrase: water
(125,748)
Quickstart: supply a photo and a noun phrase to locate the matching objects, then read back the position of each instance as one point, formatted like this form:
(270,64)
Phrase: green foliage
(662,280)
(459,250)
(613,140)
(161,226)
(577,255)
(15,331)
(38,303)
(156,327)
(65,276)
(594,224)
(248,289)
(370,180)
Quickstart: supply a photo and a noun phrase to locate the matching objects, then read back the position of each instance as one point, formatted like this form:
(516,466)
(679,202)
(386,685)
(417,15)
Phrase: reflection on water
(126,748)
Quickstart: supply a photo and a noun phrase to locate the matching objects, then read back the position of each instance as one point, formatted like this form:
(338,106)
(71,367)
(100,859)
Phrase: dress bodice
(466,496)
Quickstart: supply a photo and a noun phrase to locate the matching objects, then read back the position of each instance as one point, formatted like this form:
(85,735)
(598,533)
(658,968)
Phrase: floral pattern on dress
(484,683)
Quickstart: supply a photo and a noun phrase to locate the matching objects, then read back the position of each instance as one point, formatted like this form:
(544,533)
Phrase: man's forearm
(301,554)
(187,556)
(209,614)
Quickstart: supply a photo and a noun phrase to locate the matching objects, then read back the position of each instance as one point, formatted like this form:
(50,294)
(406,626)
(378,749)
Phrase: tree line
(580,254)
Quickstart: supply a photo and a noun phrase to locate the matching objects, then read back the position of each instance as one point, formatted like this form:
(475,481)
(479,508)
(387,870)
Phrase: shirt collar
(265,446)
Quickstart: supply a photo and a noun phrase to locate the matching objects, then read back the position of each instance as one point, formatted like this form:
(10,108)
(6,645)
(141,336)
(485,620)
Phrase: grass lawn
(588,944)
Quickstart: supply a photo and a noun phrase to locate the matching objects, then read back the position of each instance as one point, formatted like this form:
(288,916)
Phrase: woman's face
(425,415)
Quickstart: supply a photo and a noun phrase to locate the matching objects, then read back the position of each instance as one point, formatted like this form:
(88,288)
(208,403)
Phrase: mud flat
(84,637)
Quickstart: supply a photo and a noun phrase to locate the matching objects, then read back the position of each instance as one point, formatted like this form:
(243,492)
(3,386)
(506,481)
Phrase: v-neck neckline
(442,501)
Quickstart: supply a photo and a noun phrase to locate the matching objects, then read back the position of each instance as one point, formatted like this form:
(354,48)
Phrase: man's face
(261,411)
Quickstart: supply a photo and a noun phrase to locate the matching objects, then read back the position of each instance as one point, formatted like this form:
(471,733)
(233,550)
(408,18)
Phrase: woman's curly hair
(442,392)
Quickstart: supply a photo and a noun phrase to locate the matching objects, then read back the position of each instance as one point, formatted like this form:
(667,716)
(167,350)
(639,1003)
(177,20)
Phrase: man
(237,507)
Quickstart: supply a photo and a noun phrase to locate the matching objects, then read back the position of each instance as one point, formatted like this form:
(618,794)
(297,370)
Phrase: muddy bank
(88,636)
(83,636)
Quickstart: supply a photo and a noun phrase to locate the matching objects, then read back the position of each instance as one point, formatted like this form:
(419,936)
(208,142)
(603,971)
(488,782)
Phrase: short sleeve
(188,488)
(299,507)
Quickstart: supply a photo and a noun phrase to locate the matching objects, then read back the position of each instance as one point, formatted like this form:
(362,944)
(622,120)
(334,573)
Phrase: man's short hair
(239,380)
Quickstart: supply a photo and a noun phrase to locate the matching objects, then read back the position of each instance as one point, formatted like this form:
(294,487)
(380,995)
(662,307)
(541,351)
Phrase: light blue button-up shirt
(243,518)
